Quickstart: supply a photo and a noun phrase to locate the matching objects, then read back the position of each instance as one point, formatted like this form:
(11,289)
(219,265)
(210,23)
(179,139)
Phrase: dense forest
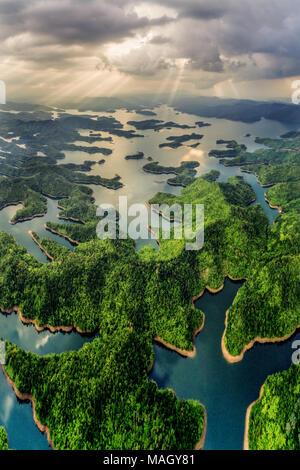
(274,422)
(101,397)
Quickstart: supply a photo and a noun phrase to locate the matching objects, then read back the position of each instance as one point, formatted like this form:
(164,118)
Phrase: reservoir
(225,389)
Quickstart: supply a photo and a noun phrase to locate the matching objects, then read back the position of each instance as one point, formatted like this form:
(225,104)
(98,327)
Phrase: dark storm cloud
(233,28)
(71,21)
(239,38)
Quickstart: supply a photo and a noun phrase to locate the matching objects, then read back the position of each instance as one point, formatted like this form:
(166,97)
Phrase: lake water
(225,389)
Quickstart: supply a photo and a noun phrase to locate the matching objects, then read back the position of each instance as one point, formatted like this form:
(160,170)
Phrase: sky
(53,51)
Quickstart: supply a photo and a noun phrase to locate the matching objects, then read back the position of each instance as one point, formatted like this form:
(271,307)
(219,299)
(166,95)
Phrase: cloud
(72,21)
(147,39)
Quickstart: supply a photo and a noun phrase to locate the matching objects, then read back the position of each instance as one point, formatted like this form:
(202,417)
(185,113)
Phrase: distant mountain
(208,107)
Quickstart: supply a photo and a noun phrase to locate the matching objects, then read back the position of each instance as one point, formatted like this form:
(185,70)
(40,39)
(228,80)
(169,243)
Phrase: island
(202,124)
(157,125)
(185,173)
(136,156)
(234,149)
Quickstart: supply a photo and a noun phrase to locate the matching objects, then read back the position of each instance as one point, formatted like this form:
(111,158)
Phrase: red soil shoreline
(183,352)
(73,219)
(201,443)
(40,246)
(73,242)
(25,219)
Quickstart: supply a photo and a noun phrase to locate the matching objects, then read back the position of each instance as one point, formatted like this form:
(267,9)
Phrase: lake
(225,389)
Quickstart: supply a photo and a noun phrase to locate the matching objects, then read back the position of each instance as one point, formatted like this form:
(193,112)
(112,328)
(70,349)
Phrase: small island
(136,156)
(202,124)
(177,141)
(185,173)
(157,125)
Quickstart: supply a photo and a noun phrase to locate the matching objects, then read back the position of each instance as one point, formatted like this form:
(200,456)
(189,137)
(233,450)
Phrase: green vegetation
(212,176)
(130,298)
(157,125)
(274,422)
(101,398)
(3,439)
(234,149)
(178,140)
(283,194)
(37,178)
(14,191)
(185,173)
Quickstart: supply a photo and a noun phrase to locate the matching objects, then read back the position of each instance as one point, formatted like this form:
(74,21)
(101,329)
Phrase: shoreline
(184,352)
(153,172)
(50,196)
(24,219)
(25,397)
(247,419)
(279,208)
(46,326)
(73,219)
(121,185)
(73,242)
(201,443)
(40,246)
(233,359)
(268,185)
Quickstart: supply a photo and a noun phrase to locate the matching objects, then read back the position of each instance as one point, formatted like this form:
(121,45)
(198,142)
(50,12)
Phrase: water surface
(226,390)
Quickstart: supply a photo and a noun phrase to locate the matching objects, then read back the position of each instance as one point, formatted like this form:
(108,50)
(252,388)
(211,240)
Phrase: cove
(226,390)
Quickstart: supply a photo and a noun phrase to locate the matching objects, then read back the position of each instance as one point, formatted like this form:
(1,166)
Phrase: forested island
(136,156)
(185,173)
(177,141)
(234,149)
(157,125)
